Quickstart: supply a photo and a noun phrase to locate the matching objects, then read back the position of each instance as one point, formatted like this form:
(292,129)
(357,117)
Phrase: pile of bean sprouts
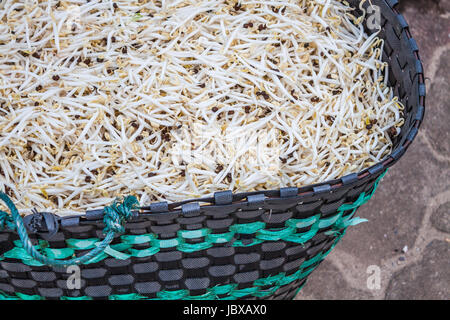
(176,99)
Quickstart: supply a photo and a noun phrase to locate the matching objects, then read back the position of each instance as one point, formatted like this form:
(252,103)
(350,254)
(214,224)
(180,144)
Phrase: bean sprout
(171,100)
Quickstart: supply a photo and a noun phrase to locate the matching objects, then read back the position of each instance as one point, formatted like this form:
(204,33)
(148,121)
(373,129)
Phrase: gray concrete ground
(408,233)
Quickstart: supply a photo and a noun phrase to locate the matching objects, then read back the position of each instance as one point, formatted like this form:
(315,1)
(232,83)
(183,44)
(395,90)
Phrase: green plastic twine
(114,219)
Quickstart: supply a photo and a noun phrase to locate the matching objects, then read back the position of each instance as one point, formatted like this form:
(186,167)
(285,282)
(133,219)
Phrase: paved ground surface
(408,233)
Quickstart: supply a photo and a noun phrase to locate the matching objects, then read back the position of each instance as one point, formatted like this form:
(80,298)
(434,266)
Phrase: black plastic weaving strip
(223,197)
(288,192)
(349,179)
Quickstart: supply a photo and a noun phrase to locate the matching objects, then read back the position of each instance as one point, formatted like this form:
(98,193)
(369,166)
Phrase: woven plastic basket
(258,245)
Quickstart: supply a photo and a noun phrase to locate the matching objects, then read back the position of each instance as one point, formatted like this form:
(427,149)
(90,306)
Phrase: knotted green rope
(114,218)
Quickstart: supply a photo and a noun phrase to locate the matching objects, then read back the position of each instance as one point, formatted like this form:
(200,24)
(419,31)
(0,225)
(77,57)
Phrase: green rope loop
(114,219)
(6,221)
(117,213)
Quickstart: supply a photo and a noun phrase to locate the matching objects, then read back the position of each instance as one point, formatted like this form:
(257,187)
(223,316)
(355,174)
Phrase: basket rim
(321,187)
